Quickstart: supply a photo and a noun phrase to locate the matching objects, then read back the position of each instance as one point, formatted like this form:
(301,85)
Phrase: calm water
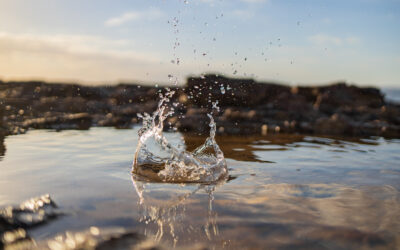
(391,94)
(283,191)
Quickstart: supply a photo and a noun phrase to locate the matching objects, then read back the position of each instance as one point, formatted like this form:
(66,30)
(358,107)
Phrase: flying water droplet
(222,88)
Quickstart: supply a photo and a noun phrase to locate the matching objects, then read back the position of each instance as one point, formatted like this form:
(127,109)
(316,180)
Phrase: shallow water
(283,191)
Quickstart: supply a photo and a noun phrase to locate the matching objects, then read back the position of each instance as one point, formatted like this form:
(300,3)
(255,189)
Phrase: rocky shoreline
(247,107)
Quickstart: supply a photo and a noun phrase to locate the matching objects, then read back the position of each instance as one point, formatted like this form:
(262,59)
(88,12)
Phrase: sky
(161,41)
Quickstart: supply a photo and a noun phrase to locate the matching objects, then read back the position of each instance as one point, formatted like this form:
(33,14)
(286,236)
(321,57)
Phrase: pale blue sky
(296,42)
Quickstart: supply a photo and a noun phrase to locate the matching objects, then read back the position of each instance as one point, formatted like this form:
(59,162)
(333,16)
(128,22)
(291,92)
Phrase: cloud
(71,44)
(243,1)
(323,39)
(241,14)
(65,56)
(151,14)
(254,1)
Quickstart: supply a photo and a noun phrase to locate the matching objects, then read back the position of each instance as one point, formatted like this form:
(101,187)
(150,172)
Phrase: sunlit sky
(295,42)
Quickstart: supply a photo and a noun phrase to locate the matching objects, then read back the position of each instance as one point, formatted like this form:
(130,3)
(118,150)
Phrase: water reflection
(166,211)
(277,215)
(311,216)
(243,148)
(320,193)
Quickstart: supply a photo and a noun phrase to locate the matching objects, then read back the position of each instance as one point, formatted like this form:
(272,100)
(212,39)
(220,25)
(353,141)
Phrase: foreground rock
(15,223)
(15,220)
(247,107)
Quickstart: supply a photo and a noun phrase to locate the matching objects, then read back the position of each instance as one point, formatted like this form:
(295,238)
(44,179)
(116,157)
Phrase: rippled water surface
(283,191)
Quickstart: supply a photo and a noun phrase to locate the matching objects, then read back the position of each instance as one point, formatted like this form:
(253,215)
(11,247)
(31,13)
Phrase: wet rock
(1,114)
(3,130)
(110,120)
(240,115)
(2,146)
(334,125)
(195,120)
(390,113)
(15,221)
(96,238)
(331,97)
(31,213)
(99,239)
(67,121)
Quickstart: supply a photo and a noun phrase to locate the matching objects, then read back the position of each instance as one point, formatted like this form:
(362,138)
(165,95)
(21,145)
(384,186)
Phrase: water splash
(158,160)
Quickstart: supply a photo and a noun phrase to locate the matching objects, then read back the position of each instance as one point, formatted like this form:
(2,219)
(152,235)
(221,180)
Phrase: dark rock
(246,106)
(231,92)
(334,125)
(2,146)
(331,97)
(195,120)
(1,114)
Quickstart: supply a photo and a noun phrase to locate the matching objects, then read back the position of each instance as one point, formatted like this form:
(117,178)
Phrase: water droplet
(222,89)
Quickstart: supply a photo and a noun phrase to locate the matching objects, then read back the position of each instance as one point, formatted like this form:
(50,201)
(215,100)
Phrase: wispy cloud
(126,17)
(324,39)
(241,14)
(243,1)
(88,58)
(70,44)
(254,1)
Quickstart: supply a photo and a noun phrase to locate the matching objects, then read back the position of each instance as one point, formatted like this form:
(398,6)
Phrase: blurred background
(294,42)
